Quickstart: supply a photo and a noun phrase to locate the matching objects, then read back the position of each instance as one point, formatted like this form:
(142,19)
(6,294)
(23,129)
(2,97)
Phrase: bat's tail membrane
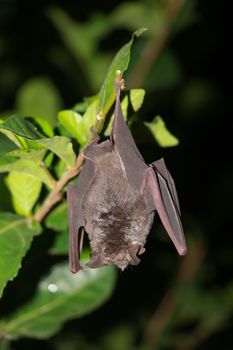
(166,204)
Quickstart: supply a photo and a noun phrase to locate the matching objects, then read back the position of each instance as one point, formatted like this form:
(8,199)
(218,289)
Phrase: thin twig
(55,196)
(155,44)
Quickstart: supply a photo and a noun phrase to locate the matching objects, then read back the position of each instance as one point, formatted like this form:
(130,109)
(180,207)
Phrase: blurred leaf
(57,219)
(20,126)
(60,168)
(25,191)
(62,147)
(45,126)
(28,167)
(12,137)
(6,145)
(38,97)
(161,133)
(80,107)
(61,296)
(165,73)
(5,159)
(72,121)
(4,344)
(77,125)
(83,42)
(120,62)
(133,15)
(89,117)
(118,338)
(31,154)
(61,244)
(48,159)
(15,239)
(137,98)
(187,16)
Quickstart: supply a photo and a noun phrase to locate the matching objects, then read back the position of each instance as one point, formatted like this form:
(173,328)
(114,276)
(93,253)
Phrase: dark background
(197,109)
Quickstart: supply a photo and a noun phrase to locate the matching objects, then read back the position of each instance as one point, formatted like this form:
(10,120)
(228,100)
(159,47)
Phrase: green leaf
(20,126)
(6,145)
(57,219)
(25,191)
(77,125)
(45,126)
(28,167)
(132,15)
(161,133)
(15,239)
(39,97)
(72,121)
(82,40)
(124,107)
(60,245)
(32,154)
(120,62)
(80,107)
(61,296)
(137,98)
(89,117)
(62,147)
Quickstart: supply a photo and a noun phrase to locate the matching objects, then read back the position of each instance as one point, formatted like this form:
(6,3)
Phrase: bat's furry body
(118,220)
(116,197)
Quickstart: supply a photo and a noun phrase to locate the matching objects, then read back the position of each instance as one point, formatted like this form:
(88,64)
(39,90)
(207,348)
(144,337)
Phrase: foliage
(24,181)
(45,123)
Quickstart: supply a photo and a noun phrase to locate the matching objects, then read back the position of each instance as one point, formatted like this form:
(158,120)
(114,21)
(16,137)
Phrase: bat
(116,197)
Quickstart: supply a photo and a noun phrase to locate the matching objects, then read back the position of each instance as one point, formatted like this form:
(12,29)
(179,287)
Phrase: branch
(55,196)
(155,44)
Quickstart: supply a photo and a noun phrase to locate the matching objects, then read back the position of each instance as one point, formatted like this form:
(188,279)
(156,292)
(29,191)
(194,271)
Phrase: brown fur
(118,215)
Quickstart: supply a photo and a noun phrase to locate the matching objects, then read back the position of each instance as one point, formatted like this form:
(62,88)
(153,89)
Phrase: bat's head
(127,255)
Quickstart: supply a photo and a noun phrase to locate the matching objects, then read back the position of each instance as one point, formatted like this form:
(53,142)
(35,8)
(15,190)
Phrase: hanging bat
(116,197)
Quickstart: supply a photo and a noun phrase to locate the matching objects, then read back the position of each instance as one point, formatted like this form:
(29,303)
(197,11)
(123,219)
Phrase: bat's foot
(119,81)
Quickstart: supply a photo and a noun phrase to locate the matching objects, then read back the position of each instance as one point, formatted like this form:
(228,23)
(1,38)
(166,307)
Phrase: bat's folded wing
(165,200)
(75,194)
(160,167)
